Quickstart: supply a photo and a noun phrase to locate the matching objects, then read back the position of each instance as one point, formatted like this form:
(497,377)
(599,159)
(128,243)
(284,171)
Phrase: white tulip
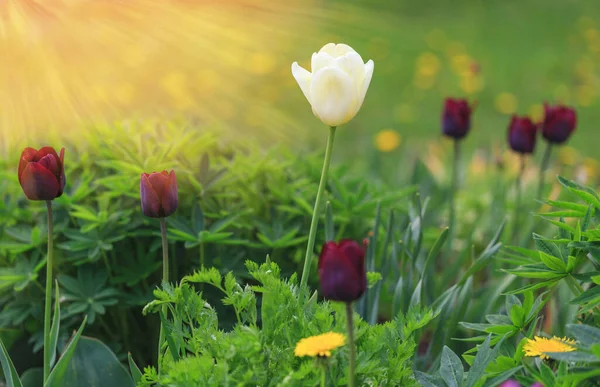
(337,86)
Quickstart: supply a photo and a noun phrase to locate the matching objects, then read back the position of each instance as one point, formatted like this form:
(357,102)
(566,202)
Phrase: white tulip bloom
(337,86)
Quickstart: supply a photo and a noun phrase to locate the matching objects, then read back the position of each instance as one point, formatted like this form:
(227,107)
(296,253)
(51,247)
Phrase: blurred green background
(226,64)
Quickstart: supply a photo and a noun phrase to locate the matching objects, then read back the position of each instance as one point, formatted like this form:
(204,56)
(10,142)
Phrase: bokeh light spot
(506,103)
(387,140)
(536,112)
(428,64)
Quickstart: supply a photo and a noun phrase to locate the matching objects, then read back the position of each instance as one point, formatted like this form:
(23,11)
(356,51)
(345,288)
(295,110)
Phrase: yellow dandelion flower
(387,140)
(541,345)
(320,345)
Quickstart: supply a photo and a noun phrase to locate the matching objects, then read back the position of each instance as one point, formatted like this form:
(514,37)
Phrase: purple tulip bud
(158,191)
(559,123)
(522,134)
(342,271)
(42,173)
(456,118)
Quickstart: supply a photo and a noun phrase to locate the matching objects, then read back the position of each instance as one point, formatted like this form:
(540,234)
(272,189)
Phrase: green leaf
(589,296)
(574,356)
(8,369)
(451,368)
(437,246)
(585,334)
(55,379)
(33,377)
(517,315)
(484,356)
(133,368)
(54,327)
(553,263)
(173,347)
(427,380)
(535,271)
(94,365)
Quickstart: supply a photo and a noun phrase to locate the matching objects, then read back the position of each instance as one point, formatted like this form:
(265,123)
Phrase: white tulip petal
(369,67)
(353,65)
(333,96)
(304,78)
(342,49)
(329,48)
(321,60)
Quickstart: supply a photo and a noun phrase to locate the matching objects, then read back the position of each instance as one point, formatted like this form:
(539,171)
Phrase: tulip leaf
(55,379)
(8,368)
(54,327)
(93,364)
(136,374)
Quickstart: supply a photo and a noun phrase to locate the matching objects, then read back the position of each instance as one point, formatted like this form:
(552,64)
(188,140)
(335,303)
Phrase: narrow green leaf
(54,327)
(173,348)
(329,226)
(55,379)
(133,368)
(437,246)
(8,368)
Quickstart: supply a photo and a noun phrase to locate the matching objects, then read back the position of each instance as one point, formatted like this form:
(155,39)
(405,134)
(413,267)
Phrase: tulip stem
(518,196)
(165,254)
(543,168)
(316,211)
(453,189)
(47,306)
(350,326)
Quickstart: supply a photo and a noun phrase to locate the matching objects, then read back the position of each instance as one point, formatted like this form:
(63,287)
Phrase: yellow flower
(337,85)
(541,345)
(387,140)
(320,345)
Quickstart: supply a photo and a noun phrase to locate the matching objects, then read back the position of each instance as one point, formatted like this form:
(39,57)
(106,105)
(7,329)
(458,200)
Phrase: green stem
(323,375)
(543,168)
(453,189)
(165,253)
(49,265)
(518,197)
(350,327)
(316,211)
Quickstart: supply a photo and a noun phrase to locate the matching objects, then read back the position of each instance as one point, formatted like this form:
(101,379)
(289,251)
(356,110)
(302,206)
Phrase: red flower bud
(456,118)
(559,123)
(522,134)
(159,194)
(342,273)
(42,173)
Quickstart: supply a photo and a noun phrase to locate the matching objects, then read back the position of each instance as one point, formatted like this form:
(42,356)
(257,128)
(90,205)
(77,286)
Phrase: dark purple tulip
(456,118)
(158,191)
(559,123)
(342,272)
(42,173)
(522,133)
